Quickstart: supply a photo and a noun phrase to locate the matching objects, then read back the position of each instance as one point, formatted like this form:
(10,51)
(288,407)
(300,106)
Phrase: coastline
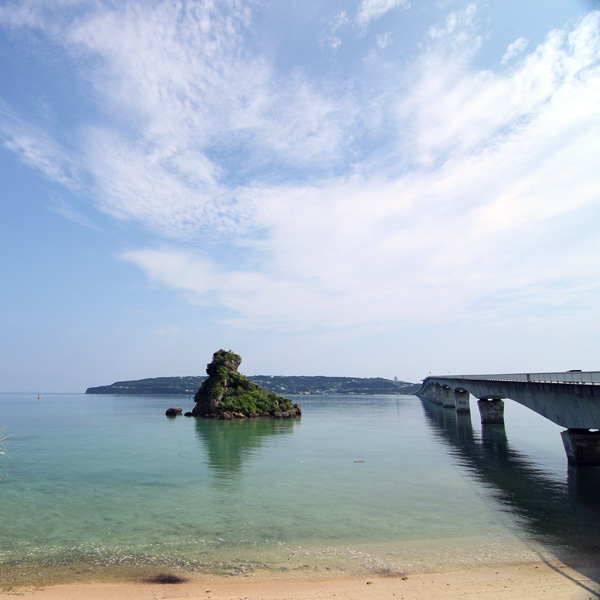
(530,580)
(375,492)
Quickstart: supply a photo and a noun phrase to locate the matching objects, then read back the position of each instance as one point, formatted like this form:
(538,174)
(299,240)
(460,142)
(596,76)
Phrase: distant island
(279,384)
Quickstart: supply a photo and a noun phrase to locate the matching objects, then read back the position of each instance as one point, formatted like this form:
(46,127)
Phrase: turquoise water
(108,487)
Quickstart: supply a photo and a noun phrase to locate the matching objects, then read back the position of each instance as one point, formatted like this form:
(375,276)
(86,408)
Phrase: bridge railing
(579,377)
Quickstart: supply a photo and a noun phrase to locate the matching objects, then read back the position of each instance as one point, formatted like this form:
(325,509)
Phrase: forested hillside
(279,384)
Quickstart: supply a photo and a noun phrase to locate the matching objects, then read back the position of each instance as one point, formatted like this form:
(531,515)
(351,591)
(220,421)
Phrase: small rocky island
(226,394)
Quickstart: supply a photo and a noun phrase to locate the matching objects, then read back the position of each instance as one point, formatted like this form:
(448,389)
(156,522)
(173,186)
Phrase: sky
(368,188)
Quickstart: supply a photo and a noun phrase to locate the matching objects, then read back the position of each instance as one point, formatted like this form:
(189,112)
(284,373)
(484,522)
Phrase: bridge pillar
(438,394)
(461,401)
(492,411)
(582,446)
(447,397)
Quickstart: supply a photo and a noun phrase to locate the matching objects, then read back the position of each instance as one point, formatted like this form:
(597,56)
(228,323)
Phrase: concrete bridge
(570,399)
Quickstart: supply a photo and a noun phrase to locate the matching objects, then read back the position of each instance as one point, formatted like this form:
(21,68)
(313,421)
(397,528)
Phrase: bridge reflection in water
(564,516)
(570,399)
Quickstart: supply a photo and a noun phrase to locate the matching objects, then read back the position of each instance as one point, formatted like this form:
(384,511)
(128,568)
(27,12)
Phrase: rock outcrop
(226,394)
(173,412)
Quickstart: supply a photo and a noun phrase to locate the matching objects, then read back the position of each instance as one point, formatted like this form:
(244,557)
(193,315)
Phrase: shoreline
(533,580)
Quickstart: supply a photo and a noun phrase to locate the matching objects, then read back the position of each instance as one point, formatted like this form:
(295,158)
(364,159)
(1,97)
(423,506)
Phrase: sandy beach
(531,580)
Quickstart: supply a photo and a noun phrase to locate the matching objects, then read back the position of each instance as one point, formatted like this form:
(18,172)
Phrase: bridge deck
(577,377)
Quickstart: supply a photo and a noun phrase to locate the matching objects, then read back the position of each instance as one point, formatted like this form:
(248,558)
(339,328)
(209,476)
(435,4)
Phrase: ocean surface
(109,488)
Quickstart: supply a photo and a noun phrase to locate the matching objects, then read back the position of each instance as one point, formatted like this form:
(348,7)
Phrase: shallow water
(109,487)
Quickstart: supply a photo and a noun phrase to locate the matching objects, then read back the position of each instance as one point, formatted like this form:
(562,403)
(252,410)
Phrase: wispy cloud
(415,197)
(370,10)
(61,207)
(384,40)
(457,31)
(514,49)
(337,23)
(481,220)
(37,149)
(455,108)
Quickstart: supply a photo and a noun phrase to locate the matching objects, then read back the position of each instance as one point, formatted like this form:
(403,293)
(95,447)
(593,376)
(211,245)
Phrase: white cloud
(188,107)
(370,10)
(516,156)
(362,253)
(384,40)
(457,30)
(156,187)
(514,49)
(339,21)
(206,140)
(37,149)
(184,78)
(452,108)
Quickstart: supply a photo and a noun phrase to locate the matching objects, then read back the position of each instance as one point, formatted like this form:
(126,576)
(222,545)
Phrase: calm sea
(108,487)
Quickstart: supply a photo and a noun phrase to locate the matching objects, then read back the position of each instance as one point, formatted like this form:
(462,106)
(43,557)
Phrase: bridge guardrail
(577,377)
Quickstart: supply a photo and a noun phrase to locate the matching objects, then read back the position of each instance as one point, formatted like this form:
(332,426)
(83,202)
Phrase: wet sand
(527,580)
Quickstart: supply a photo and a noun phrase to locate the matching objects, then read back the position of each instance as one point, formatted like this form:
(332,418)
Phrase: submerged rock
(226,394)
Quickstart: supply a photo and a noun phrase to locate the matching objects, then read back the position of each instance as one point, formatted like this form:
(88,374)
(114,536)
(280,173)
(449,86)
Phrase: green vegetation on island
(228,394)
(163,386)
(305,385)
(280,384)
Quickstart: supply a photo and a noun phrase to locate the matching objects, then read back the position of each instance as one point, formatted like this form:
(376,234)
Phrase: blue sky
(367,188)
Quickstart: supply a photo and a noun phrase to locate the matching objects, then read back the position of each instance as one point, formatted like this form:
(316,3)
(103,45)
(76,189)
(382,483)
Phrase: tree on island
(226,394)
